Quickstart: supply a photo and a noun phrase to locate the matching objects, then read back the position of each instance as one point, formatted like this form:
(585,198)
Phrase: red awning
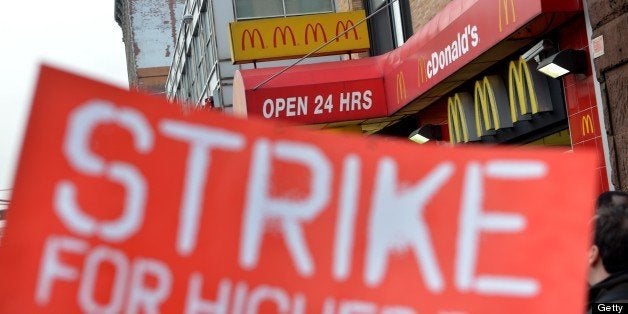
(313,93)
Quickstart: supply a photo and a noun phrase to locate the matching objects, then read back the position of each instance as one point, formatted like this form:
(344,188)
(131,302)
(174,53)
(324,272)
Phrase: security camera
(188,18)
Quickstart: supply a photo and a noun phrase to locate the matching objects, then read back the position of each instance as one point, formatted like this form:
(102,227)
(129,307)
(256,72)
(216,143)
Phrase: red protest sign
(123,204)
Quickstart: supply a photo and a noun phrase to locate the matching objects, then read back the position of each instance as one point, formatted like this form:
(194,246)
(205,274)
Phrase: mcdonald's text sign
(290,37)
(123,205)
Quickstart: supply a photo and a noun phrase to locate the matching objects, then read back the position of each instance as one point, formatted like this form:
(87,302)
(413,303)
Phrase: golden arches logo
(314,29)
(456,120)
(519,82)
(485,106)
(345,26)
(507,14)
(422,71)
(460,118)
(283,32)
(252,35)
(587,125)
(402,93)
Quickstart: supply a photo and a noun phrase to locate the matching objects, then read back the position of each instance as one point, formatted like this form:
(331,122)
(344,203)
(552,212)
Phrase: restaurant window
(208,35)
(390,27)
(247,9)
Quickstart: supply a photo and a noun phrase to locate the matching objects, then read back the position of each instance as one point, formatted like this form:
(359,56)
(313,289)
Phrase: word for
(132,276)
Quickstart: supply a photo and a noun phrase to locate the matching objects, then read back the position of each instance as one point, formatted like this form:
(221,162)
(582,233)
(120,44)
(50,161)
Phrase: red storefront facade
(465,41)
(582,107)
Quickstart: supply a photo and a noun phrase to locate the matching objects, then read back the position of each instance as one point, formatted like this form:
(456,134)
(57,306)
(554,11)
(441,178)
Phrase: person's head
(609,252)
(610,199)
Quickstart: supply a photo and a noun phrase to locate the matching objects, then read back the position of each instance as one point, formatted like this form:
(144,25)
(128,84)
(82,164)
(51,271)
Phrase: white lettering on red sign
(202,140)
(128,276)
(261,207)
(322,104)
(394,220)
(473,221)
(456,49)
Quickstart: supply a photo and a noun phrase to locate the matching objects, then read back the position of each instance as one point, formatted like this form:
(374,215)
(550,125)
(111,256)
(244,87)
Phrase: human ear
(594,255)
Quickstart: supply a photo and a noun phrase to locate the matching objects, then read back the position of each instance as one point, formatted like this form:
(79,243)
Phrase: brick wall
(609,19)
(127,38)
(152,80)
(423,11)
(343,5)
(348,5)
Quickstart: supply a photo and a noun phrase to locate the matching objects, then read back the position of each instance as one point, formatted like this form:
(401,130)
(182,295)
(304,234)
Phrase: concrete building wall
(150,29)
(123,18)
(609,19)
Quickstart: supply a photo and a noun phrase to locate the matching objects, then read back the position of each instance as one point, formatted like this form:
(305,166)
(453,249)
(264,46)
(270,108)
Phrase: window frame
(285,13)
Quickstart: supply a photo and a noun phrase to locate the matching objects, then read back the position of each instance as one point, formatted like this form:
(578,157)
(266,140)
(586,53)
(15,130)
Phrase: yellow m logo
(314,29)
(401,87)
(521,89)
(507,14)
(283,32)
(587,125)
(345,26)
(460,118)
(490,104)
(422,71)
(252,35)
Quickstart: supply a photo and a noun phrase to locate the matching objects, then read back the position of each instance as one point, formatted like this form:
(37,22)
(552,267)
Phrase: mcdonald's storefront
(471,71)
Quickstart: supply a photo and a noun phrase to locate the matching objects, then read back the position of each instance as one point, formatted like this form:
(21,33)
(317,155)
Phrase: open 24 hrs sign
(312,103)
(300,105)
(122,204)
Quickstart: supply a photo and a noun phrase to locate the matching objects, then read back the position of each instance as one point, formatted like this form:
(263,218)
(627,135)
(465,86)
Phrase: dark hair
(610,199)
(611,230)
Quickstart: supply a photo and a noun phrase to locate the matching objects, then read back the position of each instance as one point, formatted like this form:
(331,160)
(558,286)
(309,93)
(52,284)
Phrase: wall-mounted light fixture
(539,50)
(425,133)
(563,62)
